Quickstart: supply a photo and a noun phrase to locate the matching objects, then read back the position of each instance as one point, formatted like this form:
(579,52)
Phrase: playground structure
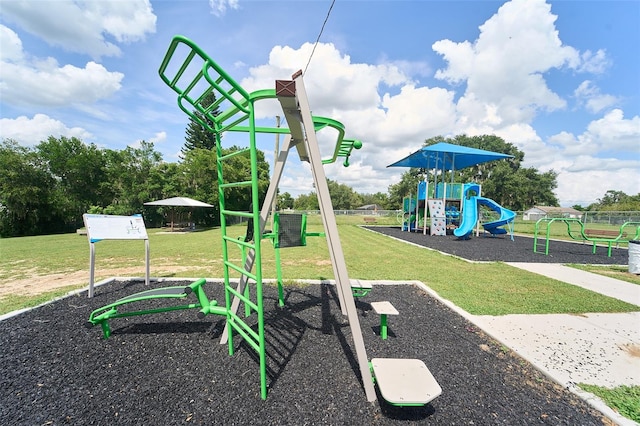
(454,206)
(436,207)
(579,232)
(194,76)
(439,206)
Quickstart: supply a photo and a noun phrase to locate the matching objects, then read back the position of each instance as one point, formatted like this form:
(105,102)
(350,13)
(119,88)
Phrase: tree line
(47,188)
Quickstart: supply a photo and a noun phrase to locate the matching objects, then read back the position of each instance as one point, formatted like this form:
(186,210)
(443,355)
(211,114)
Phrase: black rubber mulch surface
(501,249)
(169,368)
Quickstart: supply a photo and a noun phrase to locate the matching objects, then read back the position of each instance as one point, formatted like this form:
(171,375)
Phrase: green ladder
(195,77)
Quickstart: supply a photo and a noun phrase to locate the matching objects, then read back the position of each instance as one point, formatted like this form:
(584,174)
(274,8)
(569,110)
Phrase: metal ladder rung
(240,270)
(236,184)
(237,213)
(242,243)
(250,336)
(244,299)
(234,153)
(182,69)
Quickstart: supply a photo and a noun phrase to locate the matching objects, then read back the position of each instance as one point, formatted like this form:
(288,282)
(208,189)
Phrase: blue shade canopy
(446,156)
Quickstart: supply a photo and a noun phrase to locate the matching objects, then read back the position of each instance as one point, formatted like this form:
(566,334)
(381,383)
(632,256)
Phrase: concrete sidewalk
(611,287)
(592,348)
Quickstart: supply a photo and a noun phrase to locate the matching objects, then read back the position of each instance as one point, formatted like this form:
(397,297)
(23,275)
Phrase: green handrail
(620,238)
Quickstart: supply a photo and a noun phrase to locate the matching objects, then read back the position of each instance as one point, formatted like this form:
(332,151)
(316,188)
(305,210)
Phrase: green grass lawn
(478,288)
(623,399)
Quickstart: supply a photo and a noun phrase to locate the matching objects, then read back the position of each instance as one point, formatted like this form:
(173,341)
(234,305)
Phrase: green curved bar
(240,100)
(620,238)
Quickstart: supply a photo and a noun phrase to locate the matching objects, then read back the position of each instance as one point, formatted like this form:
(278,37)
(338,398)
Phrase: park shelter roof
(178,202)
(447,156)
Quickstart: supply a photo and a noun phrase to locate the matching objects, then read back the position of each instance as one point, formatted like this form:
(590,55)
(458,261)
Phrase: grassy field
(480,289)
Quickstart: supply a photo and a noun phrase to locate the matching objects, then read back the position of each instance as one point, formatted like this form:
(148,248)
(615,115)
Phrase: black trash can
(634,256)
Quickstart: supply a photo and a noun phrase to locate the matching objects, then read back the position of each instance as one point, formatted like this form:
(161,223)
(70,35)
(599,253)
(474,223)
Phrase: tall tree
(616,201)
(343,197)
(378,198)
(79,172)
(306,202)
(130,178)
(197,135)
(25,193)
(285,201)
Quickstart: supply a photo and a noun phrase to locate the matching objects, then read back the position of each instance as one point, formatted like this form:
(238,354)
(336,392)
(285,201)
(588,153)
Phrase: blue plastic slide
(470,215)
(506,218)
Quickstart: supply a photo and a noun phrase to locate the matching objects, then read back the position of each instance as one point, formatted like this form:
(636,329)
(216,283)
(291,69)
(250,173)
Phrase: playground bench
(369,219)
(101,316)
(605,233)
(383,309)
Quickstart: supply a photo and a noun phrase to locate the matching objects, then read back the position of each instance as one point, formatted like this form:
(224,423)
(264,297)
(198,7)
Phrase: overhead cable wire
(319,35)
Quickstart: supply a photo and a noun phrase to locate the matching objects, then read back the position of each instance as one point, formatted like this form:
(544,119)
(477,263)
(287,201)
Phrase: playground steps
(383,309)
(405,382)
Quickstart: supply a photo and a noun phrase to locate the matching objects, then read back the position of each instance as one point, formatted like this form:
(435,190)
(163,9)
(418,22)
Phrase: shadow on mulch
(500,248)
(170,369)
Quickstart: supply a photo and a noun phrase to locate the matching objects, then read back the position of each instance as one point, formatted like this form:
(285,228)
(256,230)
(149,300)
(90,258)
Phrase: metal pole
(92,266)
(276,152)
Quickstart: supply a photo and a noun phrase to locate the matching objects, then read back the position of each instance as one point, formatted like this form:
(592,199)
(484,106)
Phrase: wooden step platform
(405,381)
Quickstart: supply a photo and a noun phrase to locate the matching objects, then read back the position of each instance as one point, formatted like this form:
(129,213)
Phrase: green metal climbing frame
(194,76)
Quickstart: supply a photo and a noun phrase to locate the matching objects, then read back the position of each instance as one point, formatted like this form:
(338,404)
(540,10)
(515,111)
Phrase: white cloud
(158,137)
(38,82)
(11,45)
(333,81)
(614,132)
(594,101)
(45,83)
(84,26)
(585,187)
(594,63)
(219,7)
(31,131)
(611,133)
(504,68)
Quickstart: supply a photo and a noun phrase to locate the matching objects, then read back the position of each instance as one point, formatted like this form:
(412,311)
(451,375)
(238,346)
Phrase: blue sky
(558,79)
